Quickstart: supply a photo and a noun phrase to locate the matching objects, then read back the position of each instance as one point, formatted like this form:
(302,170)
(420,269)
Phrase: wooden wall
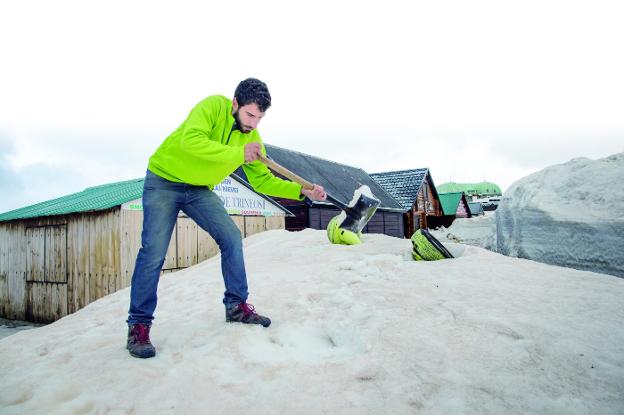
(13,270)
(389,223)
(51,267)
(189,244)
(57,265)
(426,208)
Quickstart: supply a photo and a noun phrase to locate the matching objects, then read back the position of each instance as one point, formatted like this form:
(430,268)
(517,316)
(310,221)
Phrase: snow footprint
(380,266)
(309,344)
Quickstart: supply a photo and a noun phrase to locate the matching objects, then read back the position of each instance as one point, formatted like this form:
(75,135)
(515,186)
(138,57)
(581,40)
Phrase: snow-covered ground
(356,330)
(9,327)
(477,231)
(570,214)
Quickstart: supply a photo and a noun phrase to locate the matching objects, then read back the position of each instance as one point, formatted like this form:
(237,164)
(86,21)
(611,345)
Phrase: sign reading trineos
(237,200)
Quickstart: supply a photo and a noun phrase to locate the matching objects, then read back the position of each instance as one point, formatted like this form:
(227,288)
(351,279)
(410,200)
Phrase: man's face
(247,117)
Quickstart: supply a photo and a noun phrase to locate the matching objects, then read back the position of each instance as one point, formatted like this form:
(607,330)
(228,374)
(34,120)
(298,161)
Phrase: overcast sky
(479,90)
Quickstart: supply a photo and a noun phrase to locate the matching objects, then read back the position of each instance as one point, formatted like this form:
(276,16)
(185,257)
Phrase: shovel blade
(358,215)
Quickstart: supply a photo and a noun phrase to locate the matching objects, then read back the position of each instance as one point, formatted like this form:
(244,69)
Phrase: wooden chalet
(417,194)
(58,256)
(454,205)
(340,181)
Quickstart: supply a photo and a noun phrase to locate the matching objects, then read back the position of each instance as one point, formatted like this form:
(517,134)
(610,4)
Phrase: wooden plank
(84,261)
(56,253)
(47,302)
(315,218)
(187,242)
(124,245)
(101,254)
(35,257)
(59,304)
(109,264)
(91,281)
(254,225)
(136,241)
(275,222)
(5,237)
(206,246)
(239,221)
(171,258)
(116,239)
(17,278)
(73,249)
(131,227)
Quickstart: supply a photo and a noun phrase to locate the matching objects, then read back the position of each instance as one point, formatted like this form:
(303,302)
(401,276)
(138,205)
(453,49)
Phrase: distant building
(415,191)
(473,191)
(454,205)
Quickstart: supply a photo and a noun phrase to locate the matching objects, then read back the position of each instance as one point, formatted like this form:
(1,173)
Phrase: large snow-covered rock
(570,215)
(357,330)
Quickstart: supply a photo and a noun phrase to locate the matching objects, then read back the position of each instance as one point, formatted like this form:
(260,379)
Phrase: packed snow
(570,214)
(9,327)
(359,329)
(476,230)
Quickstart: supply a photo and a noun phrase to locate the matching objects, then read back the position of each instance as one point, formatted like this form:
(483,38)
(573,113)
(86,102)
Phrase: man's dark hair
(252,90)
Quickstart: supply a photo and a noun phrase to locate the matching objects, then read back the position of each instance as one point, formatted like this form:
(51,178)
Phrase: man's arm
(265,182)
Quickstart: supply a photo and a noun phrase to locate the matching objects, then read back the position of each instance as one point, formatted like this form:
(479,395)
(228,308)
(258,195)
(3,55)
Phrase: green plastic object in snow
(341,236)
(425,247)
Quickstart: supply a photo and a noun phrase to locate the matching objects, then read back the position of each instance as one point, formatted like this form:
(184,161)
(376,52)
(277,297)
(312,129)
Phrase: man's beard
(239,125)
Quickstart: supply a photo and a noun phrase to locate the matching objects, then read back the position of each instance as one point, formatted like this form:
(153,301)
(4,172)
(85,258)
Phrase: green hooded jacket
(205,149)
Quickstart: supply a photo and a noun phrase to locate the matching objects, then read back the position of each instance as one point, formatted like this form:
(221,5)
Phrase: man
(218,136)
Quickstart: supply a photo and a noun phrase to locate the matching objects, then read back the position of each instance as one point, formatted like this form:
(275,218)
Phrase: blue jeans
(162,201)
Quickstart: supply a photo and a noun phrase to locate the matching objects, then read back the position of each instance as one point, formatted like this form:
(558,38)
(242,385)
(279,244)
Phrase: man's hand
(316,193)
(252,152)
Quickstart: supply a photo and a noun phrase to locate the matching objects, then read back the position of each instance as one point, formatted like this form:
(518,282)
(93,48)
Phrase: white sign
(237,199)
(240,200)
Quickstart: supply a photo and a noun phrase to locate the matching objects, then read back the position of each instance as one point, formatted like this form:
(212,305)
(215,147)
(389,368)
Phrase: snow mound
(569,215)
(477,231)
(356,330)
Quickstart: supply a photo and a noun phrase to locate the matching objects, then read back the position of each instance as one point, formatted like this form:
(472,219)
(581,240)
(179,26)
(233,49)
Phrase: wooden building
(58,256)
(416,193)
(454,205)
(340,181)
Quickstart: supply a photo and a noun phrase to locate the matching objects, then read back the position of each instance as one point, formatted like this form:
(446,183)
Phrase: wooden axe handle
(286,173)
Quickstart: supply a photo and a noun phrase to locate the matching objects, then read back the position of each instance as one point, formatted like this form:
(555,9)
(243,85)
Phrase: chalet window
(46,255)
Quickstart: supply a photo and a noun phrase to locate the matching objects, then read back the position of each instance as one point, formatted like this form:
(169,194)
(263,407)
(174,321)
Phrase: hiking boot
(245,313)
(139,344)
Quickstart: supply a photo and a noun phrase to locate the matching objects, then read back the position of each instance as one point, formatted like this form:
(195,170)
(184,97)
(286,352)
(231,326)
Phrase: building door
(46,273)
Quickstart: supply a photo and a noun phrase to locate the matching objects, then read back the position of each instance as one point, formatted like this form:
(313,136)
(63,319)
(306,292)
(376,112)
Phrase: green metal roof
(100,197)
(450,202)
(483,188)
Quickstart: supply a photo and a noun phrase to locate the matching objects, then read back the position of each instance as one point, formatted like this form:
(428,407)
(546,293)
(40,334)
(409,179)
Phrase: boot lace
(141,333)
(248,309)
